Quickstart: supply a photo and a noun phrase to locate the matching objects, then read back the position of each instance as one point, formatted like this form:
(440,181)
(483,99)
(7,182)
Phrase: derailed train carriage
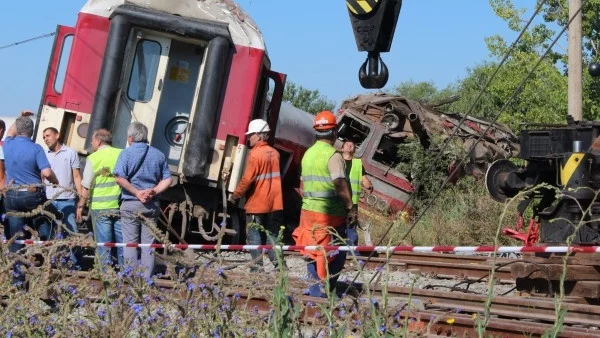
(195,73)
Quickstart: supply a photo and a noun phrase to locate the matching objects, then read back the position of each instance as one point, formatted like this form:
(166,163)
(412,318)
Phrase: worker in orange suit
(261,184)
(326,204)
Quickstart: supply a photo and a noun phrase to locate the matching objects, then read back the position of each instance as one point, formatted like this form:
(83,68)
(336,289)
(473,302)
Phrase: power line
(14,44)
(504,107)
(481,92)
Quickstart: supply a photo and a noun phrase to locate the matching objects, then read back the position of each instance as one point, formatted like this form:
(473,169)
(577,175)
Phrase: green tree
(425,92)
(308,100)
(544,99)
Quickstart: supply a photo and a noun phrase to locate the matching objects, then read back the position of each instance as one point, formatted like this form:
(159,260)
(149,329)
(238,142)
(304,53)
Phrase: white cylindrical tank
(295,125)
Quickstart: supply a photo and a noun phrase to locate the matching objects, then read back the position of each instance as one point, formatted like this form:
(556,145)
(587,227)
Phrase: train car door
(142,85)
(177,99)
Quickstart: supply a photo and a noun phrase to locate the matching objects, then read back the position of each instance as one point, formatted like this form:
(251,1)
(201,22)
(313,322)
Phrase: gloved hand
(230,199)
(352,217)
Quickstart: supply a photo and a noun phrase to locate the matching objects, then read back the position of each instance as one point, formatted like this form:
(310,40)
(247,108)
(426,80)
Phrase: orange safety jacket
(315,229)
(261,182)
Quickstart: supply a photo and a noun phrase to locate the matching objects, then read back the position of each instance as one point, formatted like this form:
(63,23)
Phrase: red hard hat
(325,120)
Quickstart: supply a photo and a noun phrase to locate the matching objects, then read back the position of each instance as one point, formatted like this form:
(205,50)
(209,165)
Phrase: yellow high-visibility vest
(318,188)
(105,191)
(355,178)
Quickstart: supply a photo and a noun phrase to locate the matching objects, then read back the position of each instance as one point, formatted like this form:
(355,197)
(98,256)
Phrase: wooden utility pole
(575,60)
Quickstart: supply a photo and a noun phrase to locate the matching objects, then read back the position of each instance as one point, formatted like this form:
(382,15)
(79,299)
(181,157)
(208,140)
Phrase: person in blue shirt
(26,168)
(2,172)
(143,173)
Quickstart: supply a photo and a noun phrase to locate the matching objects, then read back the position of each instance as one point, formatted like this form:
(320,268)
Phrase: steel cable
(447,141)
(502,109)
(14,44)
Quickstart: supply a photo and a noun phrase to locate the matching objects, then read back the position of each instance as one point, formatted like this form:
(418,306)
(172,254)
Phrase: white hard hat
(258,126)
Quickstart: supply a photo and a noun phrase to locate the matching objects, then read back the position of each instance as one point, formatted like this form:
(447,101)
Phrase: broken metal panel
(420,121)
(381,123)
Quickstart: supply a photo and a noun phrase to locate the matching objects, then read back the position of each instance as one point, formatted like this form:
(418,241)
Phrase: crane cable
(514,95)
(502,109)
(463,119)
(14,44)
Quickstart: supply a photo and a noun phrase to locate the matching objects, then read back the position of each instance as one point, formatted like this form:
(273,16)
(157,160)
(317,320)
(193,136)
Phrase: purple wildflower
(50,330)
(33,320)
(137,308)
(101,313)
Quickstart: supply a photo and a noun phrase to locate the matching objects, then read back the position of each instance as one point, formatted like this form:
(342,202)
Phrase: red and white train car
(194,72)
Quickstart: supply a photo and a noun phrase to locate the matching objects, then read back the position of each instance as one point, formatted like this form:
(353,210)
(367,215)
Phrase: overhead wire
(502,109)
(447,141)
(14,44)
(471,107)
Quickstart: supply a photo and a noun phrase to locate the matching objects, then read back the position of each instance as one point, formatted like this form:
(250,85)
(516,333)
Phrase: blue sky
(311,41)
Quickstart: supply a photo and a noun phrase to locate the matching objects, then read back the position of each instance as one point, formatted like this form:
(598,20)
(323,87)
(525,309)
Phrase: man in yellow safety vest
(326,204)
(358,180)
(99,183)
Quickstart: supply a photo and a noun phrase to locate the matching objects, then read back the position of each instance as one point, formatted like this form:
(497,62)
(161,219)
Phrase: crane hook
(377,76)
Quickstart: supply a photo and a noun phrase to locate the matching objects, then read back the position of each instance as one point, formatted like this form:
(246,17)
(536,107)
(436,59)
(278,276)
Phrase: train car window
(143,72)
(351,129)
(387,152)
(61,73)
(260,108)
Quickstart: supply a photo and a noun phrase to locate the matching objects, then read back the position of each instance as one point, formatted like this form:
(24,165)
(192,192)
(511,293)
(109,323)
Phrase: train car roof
(243,30)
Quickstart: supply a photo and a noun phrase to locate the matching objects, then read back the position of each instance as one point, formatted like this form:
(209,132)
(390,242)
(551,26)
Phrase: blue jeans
(334,268)
(67,207)
(256,236)
(107,229)
(26,201)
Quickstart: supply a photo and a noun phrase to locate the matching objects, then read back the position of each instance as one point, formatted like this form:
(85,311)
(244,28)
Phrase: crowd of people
(121,189)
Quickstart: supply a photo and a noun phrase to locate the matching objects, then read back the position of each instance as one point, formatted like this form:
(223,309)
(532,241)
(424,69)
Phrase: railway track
(431,312)
(446,266)
(465,267)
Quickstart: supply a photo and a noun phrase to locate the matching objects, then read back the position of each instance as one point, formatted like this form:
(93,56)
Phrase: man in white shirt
(64,161)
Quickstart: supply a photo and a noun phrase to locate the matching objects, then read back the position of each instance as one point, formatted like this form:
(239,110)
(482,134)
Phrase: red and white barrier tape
(381,249)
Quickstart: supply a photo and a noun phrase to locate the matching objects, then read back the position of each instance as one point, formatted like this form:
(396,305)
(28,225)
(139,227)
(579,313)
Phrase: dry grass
(205,301)
(463,214)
